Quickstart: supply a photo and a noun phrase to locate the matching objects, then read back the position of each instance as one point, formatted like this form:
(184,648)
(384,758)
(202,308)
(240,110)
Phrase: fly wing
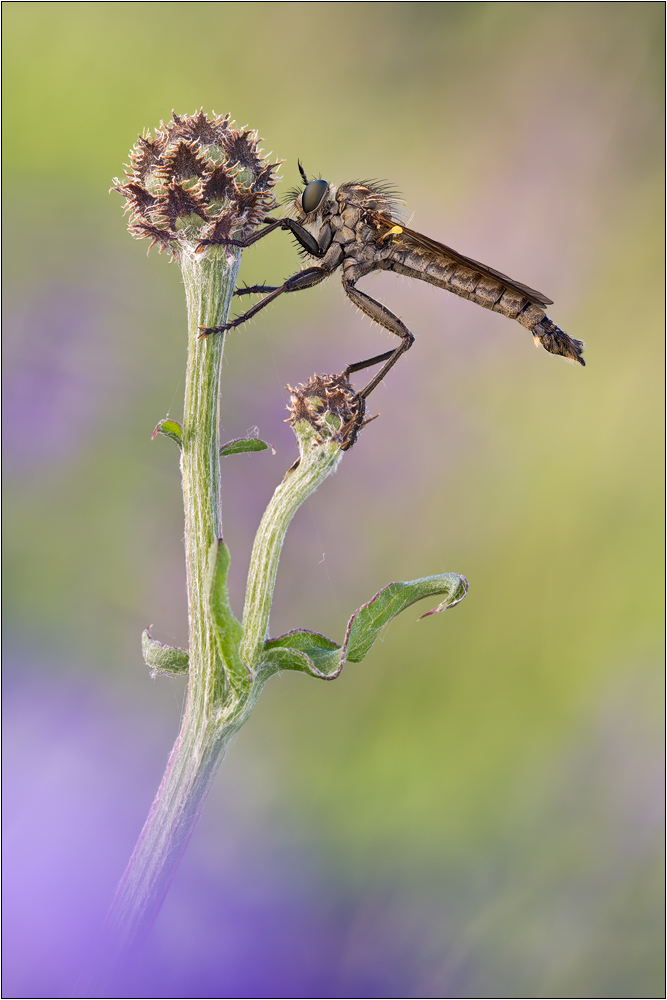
(409,238)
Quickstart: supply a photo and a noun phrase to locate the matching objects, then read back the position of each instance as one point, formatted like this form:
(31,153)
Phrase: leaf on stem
(171,429)
(239,445)
(163,659)
(313,653)
(228,631)
(303,650)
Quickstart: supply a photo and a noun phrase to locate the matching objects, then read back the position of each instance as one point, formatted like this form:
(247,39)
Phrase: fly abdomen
(490,293)
(556,341)
(485,290)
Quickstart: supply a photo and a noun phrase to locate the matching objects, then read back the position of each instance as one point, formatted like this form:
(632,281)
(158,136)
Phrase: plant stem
(213,712)
(225,678)
(315,465)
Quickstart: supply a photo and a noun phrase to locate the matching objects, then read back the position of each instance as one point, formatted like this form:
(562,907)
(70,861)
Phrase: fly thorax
(350,216)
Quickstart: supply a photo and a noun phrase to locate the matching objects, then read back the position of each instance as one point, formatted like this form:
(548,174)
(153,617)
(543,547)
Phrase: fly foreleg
(259,234)
(380,314)
(302,279)
(305,239)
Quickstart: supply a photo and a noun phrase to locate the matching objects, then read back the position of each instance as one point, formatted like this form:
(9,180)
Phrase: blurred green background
(474,811)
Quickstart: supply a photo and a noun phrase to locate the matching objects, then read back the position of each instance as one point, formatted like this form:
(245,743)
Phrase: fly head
(313,206)
(313,195)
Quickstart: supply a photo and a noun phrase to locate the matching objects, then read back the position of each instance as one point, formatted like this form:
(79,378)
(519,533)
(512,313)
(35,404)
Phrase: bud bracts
(199,181)
(331,406)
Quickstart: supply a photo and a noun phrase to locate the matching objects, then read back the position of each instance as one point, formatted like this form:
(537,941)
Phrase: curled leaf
(285,658)
(303,650)
(163,659)
(313,653)
(365,624)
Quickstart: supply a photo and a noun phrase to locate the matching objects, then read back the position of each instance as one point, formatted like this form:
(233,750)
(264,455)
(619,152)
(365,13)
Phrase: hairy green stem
(318,460)
(226,667)
(212,713)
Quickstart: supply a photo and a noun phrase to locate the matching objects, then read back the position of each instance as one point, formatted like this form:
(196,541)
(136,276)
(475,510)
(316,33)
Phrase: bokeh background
(474,811)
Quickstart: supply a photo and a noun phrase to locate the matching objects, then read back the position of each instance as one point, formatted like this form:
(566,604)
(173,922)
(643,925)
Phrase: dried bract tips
(331,406)
(197,181)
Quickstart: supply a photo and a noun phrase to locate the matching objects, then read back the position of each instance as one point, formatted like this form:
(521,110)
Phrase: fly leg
(302,279)
(255,289)
(269,226)
(380,314)
(302,235)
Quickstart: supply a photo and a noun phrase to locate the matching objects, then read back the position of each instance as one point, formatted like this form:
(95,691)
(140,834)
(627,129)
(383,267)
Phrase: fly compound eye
(313,195)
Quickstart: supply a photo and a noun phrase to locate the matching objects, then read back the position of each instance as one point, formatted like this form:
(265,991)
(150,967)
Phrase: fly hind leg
(380,314)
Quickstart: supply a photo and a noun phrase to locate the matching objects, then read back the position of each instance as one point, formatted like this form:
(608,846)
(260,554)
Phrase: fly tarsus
(255,289)
(207,331)
(227,241)
(556,341)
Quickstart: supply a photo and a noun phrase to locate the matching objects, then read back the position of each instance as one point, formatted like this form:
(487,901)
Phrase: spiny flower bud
(198,182)
(331,406)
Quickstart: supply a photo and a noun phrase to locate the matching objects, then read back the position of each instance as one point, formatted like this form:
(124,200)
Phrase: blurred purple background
(474,811)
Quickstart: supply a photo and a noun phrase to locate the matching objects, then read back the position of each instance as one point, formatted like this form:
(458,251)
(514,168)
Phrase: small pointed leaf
(239,445)
(163,659)
(171,429)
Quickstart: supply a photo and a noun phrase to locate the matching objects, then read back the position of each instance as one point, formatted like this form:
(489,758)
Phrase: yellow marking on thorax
(394,231)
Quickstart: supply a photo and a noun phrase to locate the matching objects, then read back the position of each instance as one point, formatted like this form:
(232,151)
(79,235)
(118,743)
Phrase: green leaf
(163,659)
(239,445)
(283,658)
(313,653)
(228,631)
(366,623)
(171,429)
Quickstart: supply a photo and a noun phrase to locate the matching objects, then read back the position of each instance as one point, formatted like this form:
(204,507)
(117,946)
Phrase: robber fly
(355,226)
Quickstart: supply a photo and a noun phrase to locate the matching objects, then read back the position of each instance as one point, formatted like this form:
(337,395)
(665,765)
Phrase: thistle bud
(198,182)
(329,404)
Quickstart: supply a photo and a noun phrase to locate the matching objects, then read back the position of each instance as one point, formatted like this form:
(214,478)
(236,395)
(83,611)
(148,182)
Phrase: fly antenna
(302,172)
